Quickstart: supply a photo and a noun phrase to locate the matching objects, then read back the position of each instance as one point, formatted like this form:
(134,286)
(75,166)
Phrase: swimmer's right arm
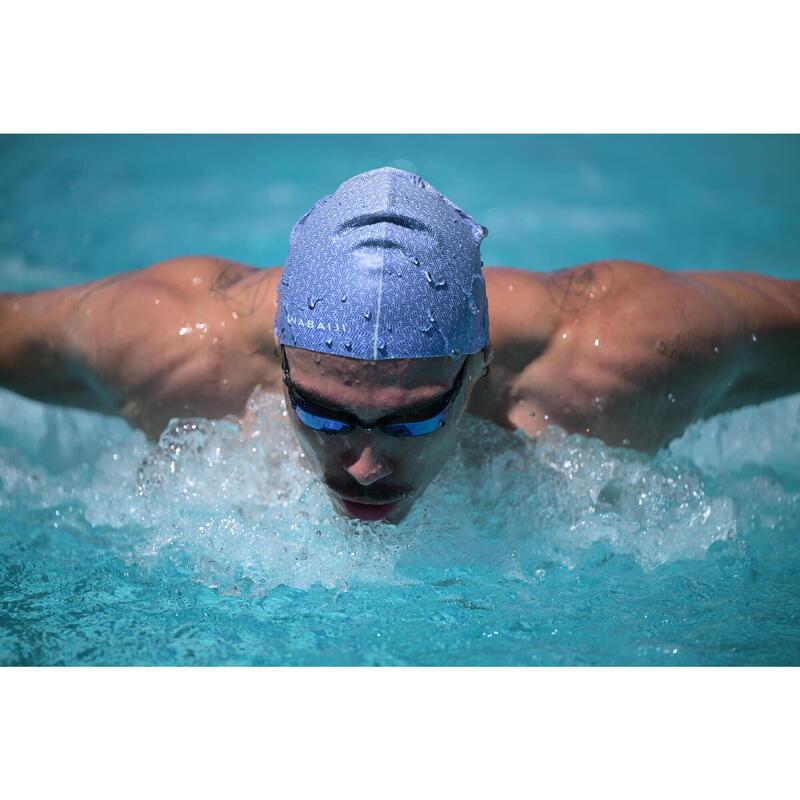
(181,338)
(38,357)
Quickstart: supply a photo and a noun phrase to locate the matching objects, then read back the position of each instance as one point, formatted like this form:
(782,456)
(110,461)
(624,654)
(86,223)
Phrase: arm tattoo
(573,289)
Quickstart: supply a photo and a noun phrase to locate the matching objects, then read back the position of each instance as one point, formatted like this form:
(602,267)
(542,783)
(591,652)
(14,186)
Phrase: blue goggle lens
(399,429)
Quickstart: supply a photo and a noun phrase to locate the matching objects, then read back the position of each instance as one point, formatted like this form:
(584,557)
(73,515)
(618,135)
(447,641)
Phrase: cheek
(318,450)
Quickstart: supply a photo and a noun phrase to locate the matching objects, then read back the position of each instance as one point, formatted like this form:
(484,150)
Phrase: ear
(488,357)
(276,345)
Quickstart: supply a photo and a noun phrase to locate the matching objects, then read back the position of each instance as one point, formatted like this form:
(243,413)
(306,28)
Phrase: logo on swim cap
(385,267)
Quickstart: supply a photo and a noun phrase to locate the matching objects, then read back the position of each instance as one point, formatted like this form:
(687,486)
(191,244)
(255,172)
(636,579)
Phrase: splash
(241,511)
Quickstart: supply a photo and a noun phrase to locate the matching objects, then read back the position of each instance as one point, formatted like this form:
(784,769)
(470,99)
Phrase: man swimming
(380,331)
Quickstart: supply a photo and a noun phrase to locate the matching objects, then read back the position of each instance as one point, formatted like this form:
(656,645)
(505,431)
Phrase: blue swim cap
(385,267)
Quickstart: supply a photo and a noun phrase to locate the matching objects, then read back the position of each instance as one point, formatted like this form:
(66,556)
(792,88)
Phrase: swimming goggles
(328,420)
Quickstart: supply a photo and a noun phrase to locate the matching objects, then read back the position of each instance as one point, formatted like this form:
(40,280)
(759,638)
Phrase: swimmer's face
(373,467)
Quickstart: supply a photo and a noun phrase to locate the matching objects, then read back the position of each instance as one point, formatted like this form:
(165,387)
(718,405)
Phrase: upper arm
(630,352)
(150,344)
(179,336)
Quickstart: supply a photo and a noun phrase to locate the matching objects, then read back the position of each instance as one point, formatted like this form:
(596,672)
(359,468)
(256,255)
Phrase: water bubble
(662,347)
(547,416)
(753,337)
(564,335)
(716,350)
(597,343)
(671,397)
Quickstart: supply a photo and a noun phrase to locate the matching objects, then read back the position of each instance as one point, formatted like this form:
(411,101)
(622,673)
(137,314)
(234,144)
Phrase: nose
(365,463)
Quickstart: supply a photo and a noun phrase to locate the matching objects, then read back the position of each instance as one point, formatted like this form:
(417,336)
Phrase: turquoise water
(211,549)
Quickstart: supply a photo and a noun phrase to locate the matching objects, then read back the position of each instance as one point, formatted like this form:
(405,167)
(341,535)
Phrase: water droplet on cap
(348,344)
(329,341)
(344,298)
(367,315)
(381,344)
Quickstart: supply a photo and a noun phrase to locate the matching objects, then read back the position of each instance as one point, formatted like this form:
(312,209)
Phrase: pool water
(214,548)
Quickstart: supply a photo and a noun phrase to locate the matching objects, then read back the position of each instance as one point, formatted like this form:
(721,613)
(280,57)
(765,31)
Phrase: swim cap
(385,267)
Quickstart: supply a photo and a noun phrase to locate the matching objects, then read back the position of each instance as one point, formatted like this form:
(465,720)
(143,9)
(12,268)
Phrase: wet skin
(617,350)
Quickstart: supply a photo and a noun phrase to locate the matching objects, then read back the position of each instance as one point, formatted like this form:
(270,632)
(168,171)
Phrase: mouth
(371,512)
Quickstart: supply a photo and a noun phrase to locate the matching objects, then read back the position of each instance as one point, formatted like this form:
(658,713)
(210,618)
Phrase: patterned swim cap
(385,267)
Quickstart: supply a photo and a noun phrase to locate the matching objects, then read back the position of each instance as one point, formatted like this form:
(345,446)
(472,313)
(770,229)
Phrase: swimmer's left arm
(765,339)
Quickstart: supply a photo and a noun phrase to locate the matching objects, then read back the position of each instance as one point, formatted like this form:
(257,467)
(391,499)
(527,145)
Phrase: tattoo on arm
(240,295)
(573,289)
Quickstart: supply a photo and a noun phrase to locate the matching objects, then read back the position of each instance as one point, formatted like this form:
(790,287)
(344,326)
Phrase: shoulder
(190,273)
(532,306)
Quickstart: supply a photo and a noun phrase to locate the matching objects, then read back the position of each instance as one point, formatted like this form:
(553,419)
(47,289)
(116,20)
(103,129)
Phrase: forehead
(368,388)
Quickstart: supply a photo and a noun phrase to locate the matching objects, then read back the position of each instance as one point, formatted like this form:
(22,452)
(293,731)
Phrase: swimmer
(383,329)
